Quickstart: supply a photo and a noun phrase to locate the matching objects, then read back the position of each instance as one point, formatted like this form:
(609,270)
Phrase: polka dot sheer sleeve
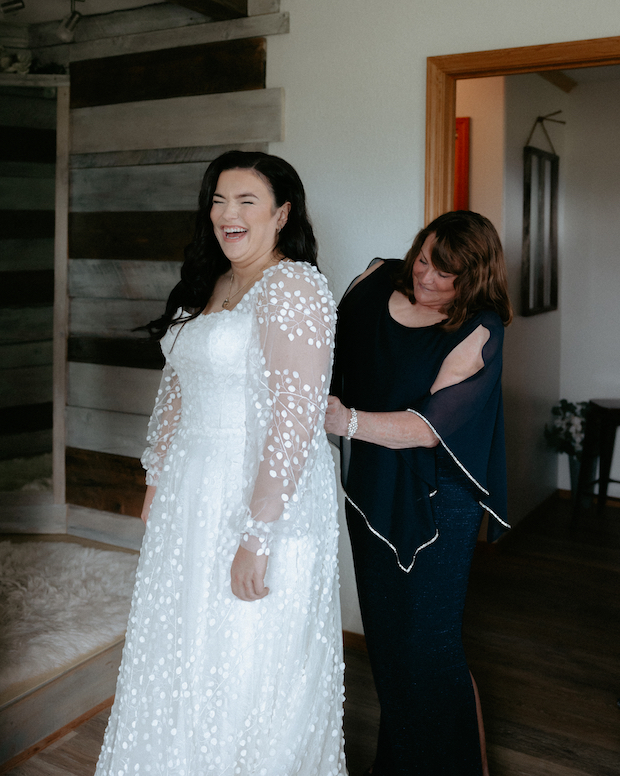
(290,370)
(162,425)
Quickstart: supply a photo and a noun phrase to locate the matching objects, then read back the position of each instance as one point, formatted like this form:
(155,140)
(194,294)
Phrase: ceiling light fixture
(10,6)
(66,30)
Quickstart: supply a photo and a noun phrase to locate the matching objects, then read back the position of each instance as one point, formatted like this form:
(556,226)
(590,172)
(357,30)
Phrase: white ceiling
(51,10)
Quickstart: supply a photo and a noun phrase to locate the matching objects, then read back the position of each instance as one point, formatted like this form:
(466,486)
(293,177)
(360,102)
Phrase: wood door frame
(442,74)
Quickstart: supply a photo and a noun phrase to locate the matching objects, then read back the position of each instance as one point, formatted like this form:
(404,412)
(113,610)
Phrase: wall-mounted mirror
(539,262)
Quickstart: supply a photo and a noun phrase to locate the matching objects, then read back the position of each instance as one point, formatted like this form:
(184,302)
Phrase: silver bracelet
(352,427)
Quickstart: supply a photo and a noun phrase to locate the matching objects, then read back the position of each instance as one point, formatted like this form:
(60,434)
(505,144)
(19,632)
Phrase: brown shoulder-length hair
(468,246)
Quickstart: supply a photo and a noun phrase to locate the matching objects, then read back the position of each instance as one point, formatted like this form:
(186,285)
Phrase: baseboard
(31,512)
(611,501)
(354,641)
(107,527)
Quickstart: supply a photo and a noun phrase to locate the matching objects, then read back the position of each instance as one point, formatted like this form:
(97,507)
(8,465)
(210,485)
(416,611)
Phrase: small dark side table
(600,435)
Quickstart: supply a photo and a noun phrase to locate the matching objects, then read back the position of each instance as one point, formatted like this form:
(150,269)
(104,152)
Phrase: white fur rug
(59,602)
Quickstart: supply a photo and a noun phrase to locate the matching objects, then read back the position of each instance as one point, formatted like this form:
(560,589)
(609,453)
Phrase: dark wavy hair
(468,246)
(204,260)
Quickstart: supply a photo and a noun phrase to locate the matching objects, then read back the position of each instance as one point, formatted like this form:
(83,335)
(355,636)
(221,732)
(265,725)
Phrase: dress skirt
(413,627)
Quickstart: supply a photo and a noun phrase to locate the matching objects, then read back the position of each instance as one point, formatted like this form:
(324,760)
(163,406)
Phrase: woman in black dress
(417,390)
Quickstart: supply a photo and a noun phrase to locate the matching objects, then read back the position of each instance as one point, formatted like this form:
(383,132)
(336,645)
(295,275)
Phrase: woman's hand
(247,575)
(394,430)
(337,417)
(148,500)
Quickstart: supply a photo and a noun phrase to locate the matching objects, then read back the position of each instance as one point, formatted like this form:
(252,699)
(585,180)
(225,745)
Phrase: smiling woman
(246,223)
(233,659)
(417,391)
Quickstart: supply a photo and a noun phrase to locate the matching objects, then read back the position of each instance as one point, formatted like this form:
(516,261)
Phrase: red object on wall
(461,165)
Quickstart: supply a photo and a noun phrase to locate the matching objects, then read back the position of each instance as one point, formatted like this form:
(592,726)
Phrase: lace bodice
(261,370)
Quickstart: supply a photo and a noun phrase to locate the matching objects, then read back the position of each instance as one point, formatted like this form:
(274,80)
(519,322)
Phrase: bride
(233,658)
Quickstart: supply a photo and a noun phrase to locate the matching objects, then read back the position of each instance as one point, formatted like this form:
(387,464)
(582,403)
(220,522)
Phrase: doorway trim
(442,74)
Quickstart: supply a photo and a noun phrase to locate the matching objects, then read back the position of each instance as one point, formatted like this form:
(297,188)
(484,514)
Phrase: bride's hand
(148,501)
(247,575)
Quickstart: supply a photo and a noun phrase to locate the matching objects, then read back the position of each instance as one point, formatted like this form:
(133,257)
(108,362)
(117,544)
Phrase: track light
(67,26)
(10,6)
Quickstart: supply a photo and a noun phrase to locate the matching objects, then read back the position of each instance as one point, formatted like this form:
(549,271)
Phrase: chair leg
(587,470)
(607,439)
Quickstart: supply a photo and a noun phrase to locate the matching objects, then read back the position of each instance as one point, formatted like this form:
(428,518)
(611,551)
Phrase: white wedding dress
(210,684)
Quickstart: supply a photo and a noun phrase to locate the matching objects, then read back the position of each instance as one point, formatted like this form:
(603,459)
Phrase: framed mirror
(539,263)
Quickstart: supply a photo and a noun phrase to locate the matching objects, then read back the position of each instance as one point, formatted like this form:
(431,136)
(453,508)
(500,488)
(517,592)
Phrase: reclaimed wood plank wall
(27,165)
(144,127)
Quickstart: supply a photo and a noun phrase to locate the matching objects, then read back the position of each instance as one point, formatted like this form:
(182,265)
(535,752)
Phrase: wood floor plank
(507,762)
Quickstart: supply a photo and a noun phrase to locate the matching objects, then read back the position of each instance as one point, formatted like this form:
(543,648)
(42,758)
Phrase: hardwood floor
(542,634)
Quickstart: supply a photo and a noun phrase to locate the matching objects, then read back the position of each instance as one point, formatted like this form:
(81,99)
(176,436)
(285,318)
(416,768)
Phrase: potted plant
(565,434)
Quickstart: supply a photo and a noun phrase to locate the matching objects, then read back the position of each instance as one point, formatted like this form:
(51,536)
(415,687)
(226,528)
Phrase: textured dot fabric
(210,684)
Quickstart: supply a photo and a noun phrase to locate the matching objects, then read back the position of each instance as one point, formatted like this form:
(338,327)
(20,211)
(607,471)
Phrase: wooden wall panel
(27,144)
(118,24)
(26,224)
(258,26)
(29,512)
(138,353)
(25,354)
(218,9)
(29,112)
(106,432)
(27,443)
(113,483)
(27,170)
(61,299)
(259,7)
(211,119)
(25,385)
(25,253)
(209,68)
(158,236)
(144,127)
(161,155)
(120,529)
(114,388)
(33,417)
(148,188)
(26,194)
(112,317)
(25,325)
(27,199)
(24,287)
(112,279)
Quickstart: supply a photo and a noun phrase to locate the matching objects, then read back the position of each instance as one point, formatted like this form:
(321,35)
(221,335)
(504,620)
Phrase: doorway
(442,74)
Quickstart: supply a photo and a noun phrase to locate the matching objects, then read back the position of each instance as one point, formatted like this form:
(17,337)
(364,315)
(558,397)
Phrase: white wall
(590,289)
(354,74)
(533,344)
(482,100)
